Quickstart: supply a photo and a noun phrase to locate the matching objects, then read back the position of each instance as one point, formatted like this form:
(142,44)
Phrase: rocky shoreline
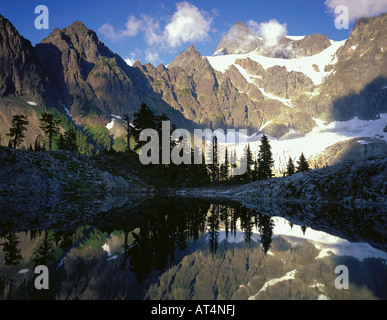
(59,173)
(349,182)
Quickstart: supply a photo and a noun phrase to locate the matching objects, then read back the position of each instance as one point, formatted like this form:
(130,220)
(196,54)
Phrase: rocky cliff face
(69,71)
(246,94)
(20,69)
(241,39)
(255,92)
(356,84)
(201,94)
(92,80)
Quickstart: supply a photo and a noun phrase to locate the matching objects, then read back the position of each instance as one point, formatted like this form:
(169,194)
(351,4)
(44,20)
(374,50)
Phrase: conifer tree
(61,142)
(303,165)
(290,169)
(214,166)
(50,126)
(70,137)
(224,168)
(16,132)
(234,161)
(265,159)
(255,170)
(144,118)
(37,145)
(248,157)
(126,118)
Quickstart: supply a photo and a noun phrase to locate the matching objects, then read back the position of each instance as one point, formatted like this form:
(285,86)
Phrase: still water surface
(181,248)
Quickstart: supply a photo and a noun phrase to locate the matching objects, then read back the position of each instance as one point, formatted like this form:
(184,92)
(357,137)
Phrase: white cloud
(359,8)
(132,28)
(129,61)
(108,31)
(152,57)
(152,31)
(272,32)
(188,24)
(253,25)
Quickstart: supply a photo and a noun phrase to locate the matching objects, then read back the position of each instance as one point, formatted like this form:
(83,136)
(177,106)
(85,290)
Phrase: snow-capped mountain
(284,90)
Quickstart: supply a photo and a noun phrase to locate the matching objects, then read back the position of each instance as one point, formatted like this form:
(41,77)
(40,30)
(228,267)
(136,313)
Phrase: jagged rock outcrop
(93,81)
(355,84)
(239,39)
(77,70)
(202,94)
(20,69)
(355,181)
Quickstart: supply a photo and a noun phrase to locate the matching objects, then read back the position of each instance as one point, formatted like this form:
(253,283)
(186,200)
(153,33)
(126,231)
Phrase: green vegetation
(100,135)
(16,132)
(119,144)
(50,127)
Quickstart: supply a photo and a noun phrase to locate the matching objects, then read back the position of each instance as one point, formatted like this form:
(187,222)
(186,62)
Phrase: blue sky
(156,31)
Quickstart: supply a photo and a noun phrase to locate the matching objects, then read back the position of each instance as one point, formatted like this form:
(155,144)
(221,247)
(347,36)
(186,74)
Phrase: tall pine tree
(224,168)
(50,126)
(249,174)
(303,165)
(16,132)
(126,118)
(265,159)
(290,169)
(214,165)
(144,118)
(71,140)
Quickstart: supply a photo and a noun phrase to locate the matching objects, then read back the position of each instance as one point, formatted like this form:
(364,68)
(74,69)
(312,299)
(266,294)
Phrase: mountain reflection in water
(179,248)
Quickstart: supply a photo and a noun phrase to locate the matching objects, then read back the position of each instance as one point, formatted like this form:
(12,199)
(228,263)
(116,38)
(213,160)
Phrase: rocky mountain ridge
(73,70)
(241,39)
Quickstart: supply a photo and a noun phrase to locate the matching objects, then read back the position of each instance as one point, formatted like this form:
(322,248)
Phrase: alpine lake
(164,247)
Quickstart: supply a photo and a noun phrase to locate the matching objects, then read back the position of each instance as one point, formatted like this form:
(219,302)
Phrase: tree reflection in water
(157,234)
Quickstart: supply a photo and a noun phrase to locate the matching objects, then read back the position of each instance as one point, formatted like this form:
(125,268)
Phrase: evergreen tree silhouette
(265,227)
(50,127)
(213,224)
(224,168)
(144,118)
(265,159)
(61,142)
(214,165)
(249,174)
(303,165)
(290,169)
(16,132)
(12,254)
(70,137)
(126,118)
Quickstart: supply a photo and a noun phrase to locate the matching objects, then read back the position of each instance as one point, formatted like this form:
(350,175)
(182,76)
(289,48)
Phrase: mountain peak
(239,39)
(240,25)
(21,71)
(79,28)
(191,48)
(186,58)
(79,37)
